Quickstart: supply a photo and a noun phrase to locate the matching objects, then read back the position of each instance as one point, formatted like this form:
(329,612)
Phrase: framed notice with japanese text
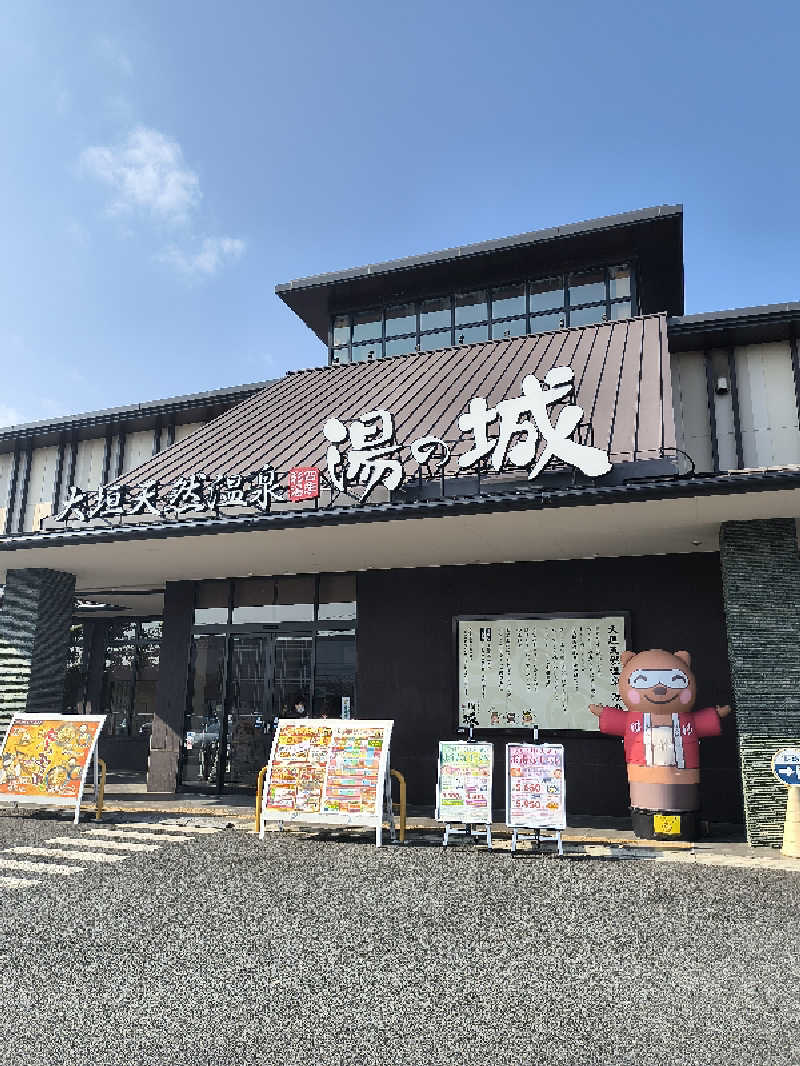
(535,786)
(327,771)
(538,671)
(464,785)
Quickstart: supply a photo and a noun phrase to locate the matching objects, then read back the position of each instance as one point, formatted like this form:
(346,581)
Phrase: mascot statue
(661,733)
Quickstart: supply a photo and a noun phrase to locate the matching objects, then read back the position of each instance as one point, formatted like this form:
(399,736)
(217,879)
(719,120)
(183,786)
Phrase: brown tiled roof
(622,378)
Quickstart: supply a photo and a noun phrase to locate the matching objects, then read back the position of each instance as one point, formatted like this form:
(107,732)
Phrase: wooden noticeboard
(327,771)
(528,672)
(45,758)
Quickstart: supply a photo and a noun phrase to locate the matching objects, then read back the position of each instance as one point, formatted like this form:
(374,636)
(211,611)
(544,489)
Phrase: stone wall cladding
(34,641)
(761,588)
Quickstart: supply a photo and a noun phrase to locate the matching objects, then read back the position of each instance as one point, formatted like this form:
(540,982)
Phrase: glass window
(400,319)
(366,325)
(619,279)
(472,334)
(340,355)
(334,681)
(273,600)
(585,316)
(203,722)
(401,345)
(152,630)
(542,323)
(145,691)
(471,307)
(122,631)
(337,597)
(514,327)
(429,341)
(546,294)
(75,674)
(510,300)
(434,314)
(621,310)
(362,353)
(211,603)
(587,287)
(118,685)
(341,329)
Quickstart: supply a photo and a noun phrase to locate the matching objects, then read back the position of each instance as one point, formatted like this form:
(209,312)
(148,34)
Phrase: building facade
(526,430)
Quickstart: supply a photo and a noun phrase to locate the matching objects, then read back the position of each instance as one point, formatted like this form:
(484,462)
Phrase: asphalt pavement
(193,949)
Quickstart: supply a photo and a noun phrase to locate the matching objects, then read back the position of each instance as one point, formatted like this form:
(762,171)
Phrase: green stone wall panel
(761,589)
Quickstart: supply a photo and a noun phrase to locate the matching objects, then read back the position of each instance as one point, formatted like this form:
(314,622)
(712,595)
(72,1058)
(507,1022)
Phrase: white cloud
(214,253)
(10,416)
(111,52)
(146,173)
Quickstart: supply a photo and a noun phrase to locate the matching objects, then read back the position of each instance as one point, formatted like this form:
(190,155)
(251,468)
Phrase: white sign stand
(472,829)
(330,818)
(540,768)
(35,723)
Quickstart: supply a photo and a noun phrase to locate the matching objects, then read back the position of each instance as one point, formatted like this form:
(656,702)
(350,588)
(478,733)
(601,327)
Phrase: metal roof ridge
(569,229)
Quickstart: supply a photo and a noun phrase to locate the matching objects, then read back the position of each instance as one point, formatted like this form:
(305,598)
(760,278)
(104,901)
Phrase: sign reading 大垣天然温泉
(364,454)
(523,673)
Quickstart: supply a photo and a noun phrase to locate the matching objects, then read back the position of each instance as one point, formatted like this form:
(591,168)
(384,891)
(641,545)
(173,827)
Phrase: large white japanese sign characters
(517,673)
(371,454)
(528,418)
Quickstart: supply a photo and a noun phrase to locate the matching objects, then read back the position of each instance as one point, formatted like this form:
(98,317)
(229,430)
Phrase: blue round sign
(786,765)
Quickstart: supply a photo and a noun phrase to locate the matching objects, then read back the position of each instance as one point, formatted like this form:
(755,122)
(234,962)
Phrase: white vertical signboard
(464,785)
(519,673)
(535,789)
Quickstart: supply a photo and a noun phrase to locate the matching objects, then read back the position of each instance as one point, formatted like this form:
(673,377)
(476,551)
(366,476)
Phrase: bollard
(791,827)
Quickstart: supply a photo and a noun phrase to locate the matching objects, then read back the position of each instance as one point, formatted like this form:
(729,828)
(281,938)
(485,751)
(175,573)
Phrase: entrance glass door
(204,717)
(251,707)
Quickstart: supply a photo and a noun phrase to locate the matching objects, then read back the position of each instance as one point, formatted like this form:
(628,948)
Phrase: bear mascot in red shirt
(661,734)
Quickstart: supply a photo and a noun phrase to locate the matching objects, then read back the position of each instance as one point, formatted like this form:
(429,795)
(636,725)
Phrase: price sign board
(327,771)
(464,786)
(45,758)
(786,765)
(535,786)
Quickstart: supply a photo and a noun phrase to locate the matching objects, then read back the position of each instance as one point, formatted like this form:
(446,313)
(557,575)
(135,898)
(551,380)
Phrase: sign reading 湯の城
(327,771)
(535,786)
(521,432)
(464,785)
(537,672)
(45,758)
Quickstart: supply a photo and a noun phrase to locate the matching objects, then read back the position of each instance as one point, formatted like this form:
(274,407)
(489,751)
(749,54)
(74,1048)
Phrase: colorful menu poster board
(523,672)
(535,786)
(464,786)
(327,771)
(45,758)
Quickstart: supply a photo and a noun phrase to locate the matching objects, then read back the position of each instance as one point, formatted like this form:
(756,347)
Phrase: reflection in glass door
(251,711)
(203,721)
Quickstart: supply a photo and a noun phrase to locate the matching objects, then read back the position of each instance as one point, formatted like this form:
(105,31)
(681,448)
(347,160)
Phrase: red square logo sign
(303,483)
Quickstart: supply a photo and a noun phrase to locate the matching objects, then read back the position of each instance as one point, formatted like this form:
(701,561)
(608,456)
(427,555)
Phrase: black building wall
(407,671)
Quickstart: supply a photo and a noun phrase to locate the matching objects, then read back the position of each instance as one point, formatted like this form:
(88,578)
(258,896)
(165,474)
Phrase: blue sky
(165,164)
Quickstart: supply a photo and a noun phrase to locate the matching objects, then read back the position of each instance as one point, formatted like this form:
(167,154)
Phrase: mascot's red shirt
(687,729)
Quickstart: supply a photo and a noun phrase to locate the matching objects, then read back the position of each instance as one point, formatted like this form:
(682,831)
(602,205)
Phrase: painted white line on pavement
(137,834)
(115,845)
(59,853)
(173,828)
(18,882)
(39,867)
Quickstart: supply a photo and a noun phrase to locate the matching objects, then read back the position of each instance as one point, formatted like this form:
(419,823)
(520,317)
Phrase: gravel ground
(297,951)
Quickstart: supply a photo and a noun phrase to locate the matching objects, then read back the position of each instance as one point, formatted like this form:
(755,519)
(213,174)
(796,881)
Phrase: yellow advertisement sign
(44,759)
(667,824)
